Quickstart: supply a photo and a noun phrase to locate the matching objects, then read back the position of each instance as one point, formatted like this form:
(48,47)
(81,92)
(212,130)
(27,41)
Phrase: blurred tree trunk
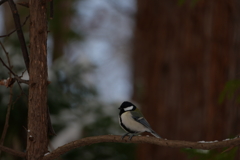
(60,27)
(183,56)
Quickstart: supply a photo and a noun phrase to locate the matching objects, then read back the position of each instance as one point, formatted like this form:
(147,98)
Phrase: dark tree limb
(12,151)
(3,1)
(140,139)
(19,32)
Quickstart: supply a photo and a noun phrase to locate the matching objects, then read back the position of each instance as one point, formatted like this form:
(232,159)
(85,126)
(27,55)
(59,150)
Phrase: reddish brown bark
(183,56)
(37,107)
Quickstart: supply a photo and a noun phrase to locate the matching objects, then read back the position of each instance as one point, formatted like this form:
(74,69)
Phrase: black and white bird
(132,121)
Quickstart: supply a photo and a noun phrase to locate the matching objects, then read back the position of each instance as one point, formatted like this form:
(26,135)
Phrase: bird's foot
(124,135)
(130,137)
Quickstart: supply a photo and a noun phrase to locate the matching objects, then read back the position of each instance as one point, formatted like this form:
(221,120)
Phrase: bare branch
(25,4)
(140,139)
(16,77)
(7,35)
(19,32)
(12,151)
(6,125)
(8,83)
(9,63)
(19,80)
(7,67)
(2,1)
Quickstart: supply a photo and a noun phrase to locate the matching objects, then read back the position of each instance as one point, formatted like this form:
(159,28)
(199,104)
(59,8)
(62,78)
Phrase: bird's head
(127,106)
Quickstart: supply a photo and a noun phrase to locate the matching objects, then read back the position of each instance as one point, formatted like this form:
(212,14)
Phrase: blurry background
(177,59)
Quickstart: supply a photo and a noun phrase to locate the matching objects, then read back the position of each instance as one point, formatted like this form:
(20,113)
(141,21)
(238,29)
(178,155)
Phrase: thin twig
(8,59)
(7,35)
(6,125)
(22,74)
(19,80)
(22,90)
(16,77)
(19,32)
(12,151)
(7,67)
(18,97)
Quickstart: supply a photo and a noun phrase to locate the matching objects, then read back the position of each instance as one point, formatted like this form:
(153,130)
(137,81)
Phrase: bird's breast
(131,124)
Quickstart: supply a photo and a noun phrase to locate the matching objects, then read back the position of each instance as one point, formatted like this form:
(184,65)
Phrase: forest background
(178,60)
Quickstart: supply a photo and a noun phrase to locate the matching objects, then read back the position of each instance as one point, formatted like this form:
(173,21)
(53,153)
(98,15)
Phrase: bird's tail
(155,134)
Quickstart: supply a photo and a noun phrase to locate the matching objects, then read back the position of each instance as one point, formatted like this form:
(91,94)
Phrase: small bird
(132,121)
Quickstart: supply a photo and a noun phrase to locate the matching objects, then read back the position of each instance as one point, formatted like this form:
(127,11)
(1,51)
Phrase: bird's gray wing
(139,117)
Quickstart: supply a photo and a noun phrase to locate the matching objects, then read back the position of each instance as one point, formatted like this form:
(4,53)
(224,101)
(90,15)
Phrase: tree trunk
(183,56)
(37,108)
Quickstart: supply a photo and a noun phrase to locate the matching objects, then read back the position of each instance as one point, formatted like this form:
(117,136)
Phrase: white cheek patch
(128,108)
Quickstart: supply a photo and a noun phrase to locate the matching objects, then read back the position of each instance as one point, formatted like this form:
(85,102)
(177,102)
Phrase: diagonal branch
(19,32)
(12,151)
(7,67)
(2,1)
(16,77)
(140,139)
(6,125)
(7,35)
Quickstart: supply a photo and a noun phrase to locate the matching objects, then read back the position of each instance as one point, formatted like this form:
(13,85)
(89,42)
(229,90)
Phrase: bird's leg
(130,137)
(124,135)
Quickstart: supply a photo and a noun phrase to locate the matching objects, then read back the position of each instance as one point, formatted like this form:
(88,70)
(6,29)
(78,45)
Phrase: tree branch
(140,139)
(7,35)
(19,32)
(6,125)
(16,77)
(9,83)
(2,1)
(13,152)
(7,67)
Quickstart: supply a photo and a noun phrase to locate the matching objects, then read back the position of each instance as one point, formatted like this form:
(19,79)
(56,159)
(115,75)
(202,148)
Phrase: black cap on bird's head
(127,106)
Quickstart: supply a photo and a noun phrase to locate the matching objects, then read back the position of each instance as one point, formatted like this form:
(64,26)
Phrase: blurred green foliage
(198,154)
